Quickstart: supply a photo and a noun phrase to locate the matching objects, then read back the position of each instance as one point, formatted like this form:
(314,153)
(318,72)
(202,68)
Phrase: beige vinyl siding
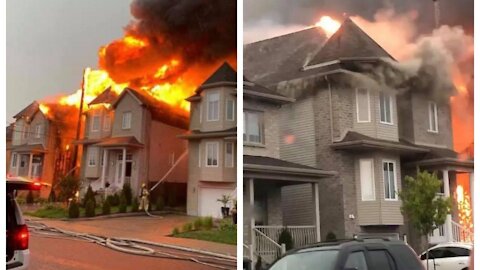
(38,120)
(298,206)
(379,211)
(298,123)
(221,124)
(101,132)
(129,104)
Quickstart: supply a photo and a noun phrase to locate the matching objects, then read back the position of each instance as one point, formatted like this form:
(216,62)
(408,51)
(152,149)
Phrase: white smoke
(266,29)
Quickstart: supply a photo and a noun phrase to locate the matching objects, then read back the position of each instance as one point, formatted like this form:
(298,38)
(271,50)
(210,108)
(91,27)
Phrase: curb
(120,215)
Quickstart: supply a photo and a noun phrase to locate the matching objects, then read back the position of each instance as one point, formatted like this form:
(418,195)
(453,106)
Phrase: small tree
(106,207)
(127,192)
(89,196)
(421,203)
(90,208)
(68,186)
(122,208)
(73,210)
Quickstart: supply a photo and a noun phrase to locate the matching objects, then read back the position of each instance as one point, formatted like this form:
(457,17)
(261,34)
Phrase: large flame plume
(329,25)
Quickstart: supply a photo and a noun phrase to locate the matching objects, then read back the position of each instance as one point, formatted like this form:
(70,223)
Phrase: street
(49,253)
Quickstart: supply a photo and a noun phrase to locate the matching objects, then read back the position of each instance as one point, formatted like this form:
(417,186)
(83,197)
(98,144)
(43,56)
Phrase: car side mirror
(423,257)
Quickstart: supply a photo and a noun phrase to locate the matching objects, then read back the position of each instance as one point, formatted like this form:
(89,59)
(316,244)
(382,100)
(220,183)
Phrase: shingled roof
(350,41)
(106,97)
(29,111)
(225,73)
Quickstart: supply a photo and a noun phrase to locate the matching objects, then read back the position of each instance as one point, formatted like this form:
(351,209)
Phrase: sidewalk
(140,227)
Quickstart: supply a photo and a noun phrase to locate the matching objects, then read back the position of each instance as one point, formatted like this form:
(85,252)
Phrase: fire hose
(140,247)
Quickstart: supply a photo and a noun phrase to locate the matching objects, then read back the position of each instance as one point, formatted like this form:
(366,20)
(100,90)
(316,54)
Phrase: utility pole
(436,9)
(79,123)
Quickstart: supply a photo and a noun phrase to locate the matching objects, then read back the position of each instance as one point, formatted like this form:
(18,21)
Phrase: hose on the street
(140,247)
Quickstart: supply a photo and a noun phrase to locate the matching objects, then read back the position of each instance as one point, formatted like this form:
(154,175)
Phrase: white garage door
(209,206)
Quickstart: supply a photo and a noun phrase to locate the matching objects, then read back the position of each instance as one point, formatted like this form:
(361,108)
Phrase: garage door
(209,206)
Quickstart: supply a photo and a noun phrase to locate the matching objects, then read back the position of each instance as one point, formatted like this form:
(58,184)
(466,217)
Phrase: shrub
(90,208)
(127,192)
(331,237)
(122,207)
(135,205)
(286,238)
(73,210)
(114,199)
(197,223)
(227,225)
(52,197)
(89,196)
(207,223)
(160,203)
(68,186)
(175,231)
(187,227)
(106,207)
(30,198)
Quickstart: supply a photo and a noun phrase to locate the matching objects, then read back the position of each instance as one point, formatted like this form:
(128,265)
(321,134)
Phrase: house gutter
(342,145)
(297,171)
(269,96)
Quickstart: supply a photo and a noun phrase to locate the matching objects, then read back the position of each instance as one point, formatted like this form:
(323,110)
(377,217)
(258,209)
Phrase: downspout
(331,106)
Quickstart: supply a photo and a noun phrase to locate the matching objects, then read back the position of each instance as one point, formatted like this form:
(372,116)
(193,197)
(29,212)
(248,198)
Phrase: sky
(50,42)
(267,18)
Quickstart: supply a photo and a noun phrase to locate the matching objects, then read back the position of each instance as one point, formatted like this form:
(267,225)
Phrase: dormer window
(127,120)
(432,117)
(95,122)
(213,100)
(385,108)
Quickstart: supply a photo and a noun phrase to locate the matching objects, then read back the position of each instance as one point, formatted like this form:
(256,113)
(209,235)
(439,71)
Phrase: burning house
(359,113)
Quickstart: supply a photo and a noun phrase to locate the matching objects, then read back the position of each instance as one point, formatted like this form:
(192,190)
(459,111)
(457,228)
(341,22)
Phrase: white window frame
(107,122)
(362,184)
(233,109)
(358,108)
(430,124)
(215,117)
(394,178)
(92,156)
(232,162)
(38,131)
(125,124)
(216,154)
(14,160)
(96,115)
(390,104)
(260,116)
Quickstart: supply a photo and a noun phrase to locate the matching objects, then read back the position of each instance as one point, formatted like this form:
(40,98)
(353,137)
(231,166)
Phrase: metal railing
(301,235)
(460,233)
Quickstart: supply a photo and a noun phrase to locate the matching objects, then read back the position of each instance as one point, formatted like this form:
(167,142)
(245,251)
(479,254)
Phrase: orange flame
(44,109)
(329,25)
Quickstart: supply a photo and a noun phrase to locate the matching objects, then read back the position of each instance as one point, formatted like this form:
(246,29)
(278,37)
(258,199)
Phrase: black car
(359,254)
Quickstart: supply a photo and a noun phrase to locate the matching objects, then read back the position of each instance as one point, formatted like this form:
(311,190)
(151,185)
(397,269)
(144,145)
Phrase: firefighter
(144,193)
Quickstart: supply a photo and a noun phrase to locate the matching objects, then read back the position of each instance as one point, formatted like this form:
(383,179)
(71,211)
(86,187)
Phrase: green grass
(57,212)
(219,236)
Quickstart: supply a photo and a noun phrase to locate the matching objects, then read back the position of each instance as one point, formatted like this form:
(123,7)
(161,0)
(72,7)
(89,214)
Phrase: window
(367,180)
(356,260)
(363,105)
(92,156)
(107,120)
(25,131)
(389,180)
(432,117)
(38,131)
(230,111)
(323,259)
(95,122)
(385,108)
(229,160)
(14,160)
(213,106)
(212,154)
(127,120)
(253,127)
(381,260)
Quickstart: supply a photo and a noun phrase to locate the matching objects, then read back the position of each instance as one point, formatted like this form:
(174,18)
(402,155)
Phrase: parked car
(448,256)
(359,254)
(18,236)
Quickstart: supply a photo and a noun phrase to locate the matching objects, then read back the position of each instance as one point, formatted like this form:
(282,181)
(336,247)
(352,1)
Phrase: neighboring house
(34,146)
(8,147)
(272,186)
(345,120)
(212,143)
(132,139)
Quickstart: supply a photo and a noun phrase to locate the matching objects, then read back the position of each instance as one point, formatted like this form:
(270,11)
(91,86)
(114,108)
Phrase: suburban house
(8,146)
(36,148)
(272,186)
(212,138)
(132,138)
(347,119)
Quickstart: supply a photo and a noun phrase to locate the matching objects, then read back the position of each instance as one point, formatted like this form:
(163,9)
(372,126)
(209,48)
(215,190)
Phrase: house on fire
(132,138)
(335,114)
(212,143)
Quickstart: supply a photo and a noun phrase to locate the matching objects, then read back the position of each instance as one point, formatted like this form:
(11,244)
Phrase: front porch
(264,205)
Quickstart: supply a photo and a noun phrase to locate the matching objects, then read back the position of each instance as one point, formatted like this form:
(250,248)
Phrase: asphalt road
(69,254)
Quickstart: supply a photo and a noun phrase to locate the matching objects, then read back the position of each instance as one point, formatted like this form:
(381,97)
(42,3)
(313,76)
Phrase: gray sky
(49,42)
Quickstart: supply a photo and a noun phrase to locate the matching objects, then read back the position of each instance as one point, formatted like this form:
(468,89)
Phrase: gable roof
(225,73)
(108,96)
(29,111)
(270,61)
(160,110)
(350,41)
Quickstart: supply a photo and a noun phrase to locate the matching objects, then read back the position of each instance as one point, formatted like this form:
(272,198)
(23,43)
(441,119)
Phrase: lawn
(57,212)
(219,236)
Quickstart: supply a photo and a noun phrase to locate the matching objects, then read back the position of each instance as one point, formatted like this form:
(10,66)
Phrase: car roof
(340,244)
(453,244)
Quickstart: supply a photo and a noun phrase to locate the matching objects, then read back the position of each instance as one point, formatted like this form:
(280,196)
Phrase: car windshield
(318,260)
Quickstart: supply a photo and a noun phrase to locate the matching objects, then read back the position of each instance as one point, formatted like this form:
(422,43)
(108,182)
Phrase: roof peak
(224,73)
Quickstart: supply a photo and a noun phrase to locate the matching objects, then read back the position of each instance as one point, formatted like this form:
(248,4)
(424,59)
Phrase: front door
(128,169)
